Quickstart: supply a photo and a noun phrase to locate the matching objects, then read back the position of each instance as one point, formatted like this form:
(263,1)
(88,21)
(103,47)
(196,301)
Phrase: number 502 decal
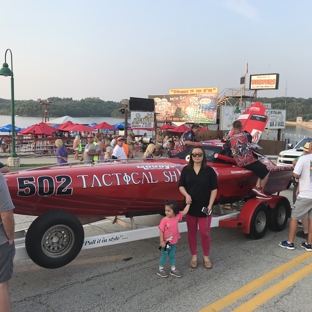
(45,186)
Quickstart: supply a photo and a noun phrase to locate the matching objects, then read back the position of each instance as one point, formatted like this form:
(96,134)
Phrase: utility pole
(125,110)
(45,117)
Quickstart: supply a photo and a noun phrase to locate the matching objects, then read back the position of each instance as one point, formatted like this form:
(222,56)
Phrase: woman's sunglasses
(197,154)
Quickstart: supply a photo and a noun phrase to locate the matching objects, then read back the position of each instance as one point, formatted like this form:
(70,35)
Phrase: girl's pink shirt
(170,228)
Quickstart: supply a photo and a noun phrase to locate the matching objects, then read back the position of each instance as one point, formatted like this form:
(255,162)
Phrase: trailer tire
(279,215)
(54,239)
(259,222)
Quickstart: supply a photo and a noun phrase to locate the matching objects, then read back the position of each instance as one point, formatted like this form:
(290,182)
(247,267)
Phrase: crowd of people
(109,146)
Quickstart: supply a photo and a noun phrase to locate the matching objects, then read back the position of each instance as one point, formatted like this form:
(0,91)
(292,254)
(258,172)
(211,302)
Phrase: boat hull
(113,189)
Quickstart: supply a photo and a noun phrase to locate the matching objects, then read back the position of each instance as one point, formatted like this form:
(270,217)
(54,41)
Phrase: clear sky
(116,49)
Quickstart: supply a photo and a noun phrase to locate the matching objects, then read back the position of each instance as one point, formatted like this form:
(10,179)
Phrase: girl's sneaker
(162,273)
(175,273)
(306,246)
(286,244)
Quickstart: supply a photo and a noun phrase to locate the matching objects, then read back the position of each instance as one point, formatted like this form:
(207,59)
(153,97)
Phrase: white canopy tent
(62,120)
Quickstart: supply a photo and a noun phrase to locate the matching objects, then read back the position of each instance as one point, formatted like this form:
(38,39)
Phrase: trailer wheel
(54,239)
(259,222)
(279,215)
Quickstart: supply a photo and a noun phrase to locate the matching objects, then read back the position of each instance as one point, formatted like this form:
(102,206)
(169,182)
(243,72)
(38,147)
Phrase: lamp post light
(6,71)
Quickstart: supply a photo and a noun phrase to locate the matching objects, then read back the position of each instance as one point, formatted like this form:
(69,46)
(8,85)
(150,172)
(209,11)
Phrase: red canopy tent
(203,129)
(64,125)
(181,128)
(104,125)
(38,129)
(167,127)
(79,127)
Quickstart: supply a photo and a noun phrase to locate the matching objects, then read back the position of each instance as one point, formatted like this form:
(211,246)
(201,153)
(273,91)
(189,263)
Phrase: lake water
(24,122)
(293,134)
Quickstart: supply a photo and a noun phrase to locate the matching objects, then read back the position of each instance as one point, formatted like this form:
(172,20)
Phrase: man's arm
(4,169)
(190,143)
(7,218)
(298,167)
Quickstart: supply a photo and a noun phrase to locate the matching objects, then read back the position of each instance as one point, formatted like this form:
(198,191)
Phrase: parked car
(287,156)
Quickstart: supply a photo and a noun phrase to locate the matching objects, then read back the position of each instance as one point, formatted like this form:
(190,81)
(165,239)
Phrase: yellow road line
(257,283)
(274,290)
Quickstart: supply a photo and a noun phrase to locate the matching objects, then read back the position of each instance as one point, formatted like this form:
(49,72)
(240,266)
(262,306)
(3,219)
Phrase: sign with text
(277,118)
(193,108)
(142,120)
(264,82)
(228,114)
(194,90)
(267,105)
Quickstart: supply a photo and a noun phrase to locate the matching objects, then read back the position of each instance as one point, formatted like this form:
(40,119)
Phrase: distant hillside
(88,107)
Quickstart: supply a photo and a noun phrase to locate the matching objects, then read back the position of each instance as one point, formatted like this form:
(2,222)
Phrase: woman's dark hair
(173,205)
(191,161)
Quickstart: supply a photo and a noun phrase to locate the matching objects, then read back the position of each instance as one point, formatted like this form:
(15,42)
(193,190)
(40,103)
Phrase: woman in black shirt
(198,183)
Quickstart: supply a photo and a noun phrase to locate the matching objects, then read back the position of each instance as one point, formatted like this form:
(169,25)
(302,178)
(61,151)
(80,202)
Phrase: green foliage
(89,107)
(295,107)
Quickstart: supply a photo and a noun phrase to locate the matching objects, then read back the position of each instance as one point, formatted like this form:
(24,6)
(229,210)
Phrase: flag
(246,68)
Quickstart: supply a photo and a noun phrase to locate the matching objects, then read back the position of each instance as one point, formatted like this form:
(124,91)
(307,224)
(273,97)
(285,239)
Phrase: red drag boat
(132,188)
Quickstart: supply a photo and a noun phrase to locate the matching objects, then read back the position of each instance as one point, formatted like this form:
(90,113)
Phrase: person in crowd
(7,247)
(303,204)
(3,168)
(108,150)
(101,146)
(77,146)
(114,141)
(90,150)
(305,220)
(158,143)
(118,151)
(171,149)
(127,149)
(239,142)
(169,235)
(176,143)
(137,148)
(198,184)
(4,144)
(130,143)
(130,138)
(165,143)
(188,138)
(61,152)
(150,151)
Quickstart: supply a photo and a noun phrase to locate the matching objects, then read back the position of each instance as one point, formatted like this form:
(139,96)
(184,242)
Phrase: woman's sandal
(207,264)
(193,264)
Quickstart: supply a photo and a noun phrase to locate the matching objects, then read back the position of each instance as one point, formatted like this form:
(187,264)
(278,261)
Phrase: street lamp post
(6,71)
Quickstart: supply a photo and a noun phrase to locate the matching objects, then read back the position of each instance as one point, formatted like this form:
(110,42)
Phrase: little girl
(169,236)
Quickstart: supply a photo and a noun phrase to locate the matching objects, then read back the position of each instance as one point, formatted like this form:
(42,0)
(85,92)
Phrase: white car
(287,156)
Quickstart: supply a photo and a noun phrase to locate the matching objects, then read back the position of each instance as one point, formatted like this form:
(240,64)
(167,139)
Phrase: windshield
(209,151)
(301,144)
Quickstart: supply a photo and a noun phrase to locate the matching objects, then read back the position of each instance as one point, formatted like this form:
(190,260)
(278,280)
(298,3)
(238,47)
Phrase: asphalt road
(247,275)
